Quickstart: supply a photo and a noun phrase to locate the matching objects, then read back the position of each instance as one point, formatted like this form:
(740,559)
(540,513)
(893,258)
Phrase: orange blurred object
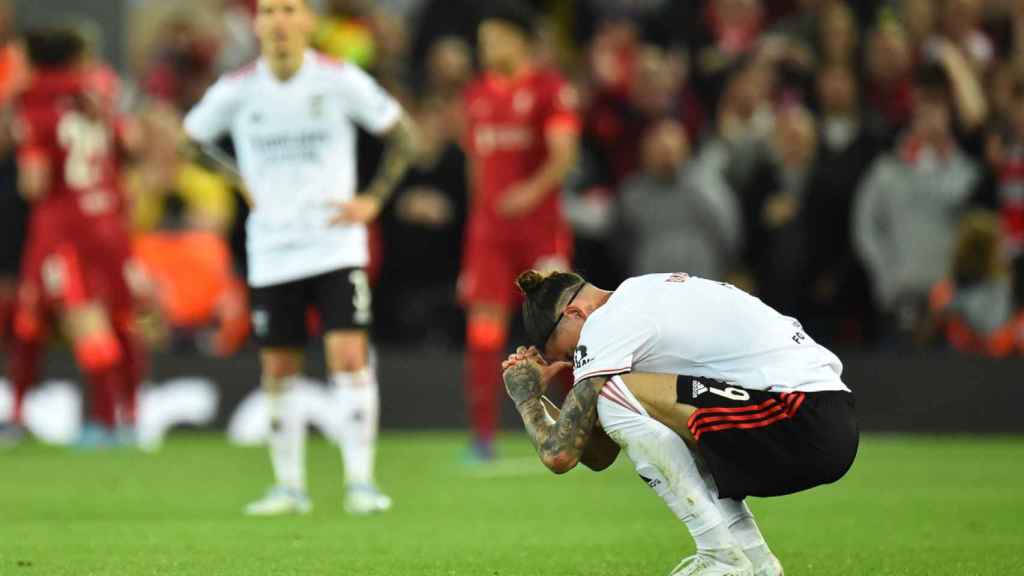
(195,284)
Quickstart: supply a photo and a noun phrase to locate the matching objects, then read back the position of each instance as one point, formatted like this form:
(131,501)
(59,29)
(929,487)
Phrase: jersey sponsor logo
(579,357)
(678,277)
(490,138)
(698,388)
(298,147)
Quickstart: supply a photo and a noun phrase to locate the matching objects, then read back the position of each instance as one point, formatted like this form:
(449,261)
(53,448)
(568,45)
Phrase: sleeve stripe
(609,372)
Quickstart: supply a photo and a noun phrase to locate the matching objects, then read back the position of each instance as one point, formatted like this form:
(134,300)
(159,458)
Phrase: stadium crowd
(859,165)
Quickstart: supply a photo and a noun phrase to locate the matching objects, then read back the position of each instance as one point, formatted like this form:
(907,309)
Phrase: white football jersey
(681,324)
(296,148)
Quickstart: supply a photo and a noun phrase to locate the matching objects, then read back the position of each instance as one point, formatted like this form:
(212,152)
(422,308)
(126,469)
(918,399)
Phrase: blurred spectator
(907,209)
(449,67)
(974,307)
(438,19)
(837,297)
(774,215)
(838,37)
(920,21)
(730,30)
(745,122)
(961,23)
(13,209)
(391,36)
(183,62)
(344,32)
(664,22)
(169,192)
(670,222)
(618,117)
(1006,160)
(238,44)
(888,85)
(421,234)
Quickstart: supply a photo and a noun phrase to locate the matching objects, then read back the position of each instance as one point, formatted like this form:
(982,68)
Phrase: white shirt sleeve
(610,344)
(366,103)
(212,117)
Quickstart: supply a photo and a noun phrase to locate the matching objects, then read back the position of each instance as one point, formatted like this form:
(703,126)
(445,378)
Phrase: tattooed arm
(401,149)
(600,452)
(559,445)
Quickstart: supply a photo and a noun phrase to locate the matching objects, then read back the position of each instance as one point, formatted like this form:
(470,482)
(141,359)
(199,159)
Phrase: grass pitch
(910,506)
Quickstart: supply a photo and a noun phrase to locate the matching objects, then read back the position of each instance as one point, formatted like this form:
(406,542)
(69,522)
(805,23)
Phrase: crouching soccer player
(713,395)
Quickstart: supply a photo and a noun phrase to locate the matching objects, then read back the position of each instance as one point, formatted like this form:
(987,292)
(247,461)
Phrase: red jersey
(507,121)
(66,121)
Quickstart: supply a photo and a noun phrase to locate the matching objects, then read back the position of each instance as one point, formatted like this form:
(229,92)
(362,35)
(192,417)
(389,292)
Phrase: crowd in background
(859,165)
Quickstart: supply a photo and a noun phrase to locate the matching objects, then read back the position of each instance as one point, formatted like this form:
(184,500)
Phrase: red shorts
(59,273)
(495,256)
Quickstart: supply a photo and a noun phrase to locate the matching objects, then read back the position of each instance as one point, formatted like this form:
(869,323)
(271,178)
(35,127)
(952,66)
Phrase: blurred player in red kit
(522,137)
(76,265)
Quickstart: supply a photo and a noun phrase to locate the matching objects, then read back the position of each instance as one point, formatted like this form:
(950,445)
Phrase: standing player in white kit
(291,116)
(714,396)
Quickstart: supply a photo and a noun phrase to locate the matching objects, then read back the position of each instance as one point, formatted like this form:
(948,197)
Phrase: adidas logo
(698,388)
(652,482)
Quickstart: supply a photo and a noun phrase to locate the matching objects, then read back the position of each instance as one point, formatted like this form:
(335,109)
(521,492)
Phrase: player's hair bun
(530,281)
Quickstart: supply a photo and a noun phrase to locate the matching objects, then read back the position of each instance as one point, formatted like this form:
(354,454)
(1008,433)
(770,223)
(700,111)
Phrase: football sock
(133,367)
(23,369)
(103,386)
(287,436)
(99,356)
(665,462)
(359,401)
(741,523)
(485,342)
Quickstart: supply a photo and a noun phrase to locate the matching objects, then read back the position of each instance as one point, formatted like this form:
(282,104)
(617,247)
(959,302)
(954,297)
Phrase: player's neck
(516,69)
(594,296)
(285,67)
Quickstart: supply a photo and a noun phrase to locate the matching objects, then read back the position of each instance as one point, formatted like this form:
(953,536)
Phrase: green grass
(910,506)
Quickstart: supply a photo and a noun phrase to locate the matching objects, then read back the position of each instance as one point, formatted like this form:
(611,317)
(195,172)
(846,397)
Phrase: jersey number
(85,141)
(361,296)
(731,393)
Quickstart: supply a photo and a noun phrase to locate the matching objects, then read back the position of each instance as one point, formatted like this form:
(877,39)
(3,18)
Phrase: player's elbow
(560,462)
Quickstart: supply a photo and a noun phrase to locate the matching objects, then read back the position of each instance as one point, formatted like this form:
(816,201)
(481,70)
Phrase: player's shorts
(341,299)
(495,256)
(59,273)
(758,443)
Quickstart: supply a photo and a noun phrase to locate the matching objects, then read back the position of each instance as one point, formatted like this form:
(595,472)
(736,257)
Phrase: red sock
(482,378)
(132,369)
(23,369)
(101,359)
(485,342)
(103,386)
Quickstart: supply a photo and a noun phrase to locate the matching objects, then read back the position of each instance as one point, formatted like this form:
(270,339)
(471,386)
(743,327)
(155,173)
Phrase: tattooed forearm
(561,444)
(396,160)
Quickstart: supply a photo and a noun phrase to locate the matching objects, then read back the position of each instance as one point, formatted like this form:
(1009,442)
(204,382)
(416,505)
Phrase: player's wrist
(529,402)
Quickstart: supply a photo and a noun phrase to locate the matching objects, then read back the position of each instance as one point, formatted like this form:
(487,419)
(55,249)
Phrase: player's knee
(348,362)
(279,365)
(98,351)
(486,334)
(346,351)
